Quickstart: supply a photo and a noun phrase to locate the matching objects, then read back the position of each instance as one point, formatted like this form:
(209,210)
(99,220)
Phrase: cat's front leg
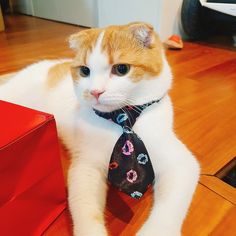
(173,190)
(87,196)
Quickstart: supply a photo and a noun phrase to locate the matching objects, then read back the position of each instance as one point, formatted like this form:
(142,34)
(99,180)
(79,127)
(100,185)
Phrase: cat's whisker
(128,116)
(124,100)
(127,111)
(136,106)
(133,107)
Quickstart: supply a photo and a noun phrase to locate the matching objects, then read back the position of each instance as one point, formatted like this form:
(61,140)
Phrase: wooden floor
(204,96)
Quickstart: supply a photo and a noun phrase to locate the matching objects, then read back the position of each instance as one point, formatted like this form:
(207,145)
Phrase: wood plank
(203,93)
(204,118)
(127,215)
(210,135)
(208,58)
(225,226)
(217,74)
(206,212)
(192,95)
(220,187)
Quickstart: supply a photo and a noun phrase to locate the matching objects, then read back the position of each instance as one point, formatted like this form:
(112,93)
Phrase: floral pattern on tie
(113,165)
(136,194)
(121,118)
(131,176)
(128,148)
(142,159)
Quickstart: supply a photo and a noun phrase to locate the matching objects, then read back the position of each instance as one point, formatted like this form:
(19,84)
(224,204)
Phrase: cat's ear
(75,40)
(143,32)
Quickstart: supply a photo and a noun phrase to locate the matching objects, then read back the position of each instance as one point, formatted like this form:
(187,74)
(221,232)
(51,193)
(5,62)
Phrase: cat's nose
(96,93)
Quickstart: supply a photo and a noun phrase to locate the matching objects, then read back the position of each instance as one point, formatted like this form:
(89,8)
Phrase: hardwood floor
(28,39)
(204,97)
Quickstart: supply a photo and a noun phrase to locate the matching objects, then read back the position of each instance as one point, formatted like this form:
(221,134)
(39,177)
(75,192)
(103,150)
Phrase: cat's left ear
(76,40)
(143,32)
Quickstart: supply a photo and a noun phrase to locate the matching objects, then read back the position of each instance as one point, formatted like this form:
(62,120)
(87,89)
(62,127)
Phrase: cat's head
(118,66)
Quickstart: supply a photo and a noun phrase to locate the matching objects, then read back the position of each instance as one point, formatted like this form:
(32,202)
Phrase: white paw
(94,229)
(157,231)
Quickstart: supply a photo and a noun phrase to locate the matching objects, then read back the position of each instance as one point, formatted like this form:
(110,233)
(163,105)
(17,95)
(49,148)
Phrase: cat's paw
(94,229)
(157,231)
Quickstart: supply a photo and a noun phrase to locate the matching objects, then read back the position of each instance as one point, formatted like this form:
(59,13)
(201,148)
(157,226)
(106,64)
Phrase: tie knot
(126,116)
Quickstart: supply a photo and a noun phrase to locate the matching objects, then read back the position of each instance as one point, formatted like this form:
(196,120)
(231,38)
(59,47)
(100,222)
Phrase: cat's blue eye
(120,69)
(84,71)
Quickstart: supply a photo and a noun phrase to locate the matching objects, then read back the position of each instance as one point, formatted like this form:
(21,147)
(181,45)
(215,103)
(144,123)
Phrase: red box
(32,189)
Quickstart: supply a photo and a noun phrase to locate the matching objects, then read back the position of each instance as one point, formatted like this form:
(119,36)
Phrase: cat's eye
(84,71)
(120,69)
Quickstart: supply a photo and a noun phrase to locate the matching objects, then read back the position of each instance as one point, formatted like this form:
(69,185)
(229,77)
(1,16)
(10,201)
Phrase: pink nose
(96,93)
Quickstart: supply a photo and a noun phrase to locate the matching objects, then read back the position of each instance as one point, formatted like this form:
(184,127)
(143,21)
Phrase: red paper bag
(32,189)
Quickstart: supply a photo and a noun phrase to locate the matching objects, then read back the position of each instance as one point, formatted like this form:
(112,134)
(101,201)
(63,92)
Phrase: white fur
(91,139)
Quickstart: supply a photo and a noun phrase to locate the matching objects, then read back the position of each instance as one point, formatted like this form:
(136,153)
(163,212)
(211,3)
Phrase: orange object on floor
(174,42)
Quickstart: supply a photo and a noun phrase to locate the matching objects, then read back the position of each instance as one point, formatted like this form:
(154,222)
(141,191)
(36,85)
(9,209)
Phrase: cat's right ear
(75,40)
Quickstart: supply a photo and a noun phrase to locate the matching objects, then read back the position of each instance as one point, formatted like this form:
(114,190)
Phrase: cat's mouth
(109,103)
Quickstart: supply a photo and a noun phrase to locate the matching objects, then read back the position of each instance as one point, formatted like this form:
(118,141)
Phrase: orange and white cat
(113,67)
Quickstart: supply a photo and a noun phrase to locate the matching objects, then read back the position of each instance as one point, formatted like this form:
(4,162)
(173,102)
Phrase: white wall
(23,6)
(170,18)
(80,12)
(164,15)
(46,9)
(124,11)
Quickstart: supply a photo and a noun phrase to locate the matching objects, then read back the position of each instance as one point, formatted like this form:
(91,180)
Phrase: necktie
(130,167)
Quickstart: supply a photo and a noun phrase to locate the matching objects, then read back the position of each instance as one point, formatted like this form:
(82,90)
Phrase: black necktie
(130,168)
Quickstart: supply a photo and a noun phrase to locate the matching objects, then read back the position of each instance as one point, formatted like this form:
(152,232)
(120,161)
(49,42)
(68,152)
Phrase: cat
(113,67)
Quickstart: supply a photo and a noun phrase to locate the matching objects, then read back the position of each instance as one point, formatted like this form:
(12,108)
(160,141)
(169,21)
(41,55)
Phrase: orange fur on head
(56,73)
(83,43)
(135,44)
